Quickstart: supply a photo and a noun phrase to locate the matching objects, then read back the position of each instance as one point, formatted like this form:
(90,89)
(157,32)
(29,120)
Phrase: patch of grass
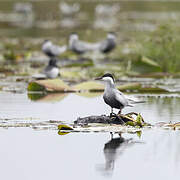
(163,47)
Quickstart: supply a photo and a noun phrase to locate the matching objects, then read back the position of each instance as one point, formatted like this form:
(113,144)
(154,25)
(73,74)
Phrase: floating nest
(132,119)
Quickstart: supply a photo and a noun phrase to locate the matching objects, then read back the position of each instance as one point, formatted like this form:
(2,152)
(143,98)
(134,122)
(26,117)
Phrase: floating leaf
(33,86)
(153,89)
(89,94)
(49,85)
(130,86)
(139,133)
(89,86)
(64,127)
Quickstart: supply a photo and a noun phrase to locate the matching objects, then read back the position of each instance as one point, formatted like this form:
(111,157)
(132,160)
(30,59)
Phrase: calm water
(27,153)
(68,107)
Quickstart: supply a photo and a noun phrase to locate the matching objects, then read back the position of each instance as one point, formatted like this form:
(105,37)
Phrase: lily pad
(49,85)
(91,86)
(130,86)
(153,89)
(64,127)
(89,94)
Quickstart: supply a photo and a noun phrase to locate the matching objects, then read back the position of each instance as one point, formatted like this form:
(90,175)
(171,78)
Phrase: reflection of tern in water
(113,149)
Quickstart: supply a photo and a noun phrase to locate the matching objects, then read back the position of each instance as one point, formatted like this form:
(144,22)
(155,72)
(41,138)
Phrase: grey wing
(121,98)
(46,48)
(82,46)
(57,50)
(132,101)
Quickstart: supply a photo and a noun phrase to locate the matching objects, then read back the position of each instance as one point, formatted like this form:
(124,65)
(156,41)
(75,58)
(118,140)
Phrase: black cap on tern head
(46,40)
(73,33)
(108,75)
(112,33)
(105,75)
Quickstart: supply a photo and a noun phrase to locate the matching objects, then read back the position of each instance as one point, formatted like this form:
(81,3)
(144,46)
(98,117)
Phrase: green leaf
(89,86)
(49,85)
(130,86)
(139,133)
(149,61)
(62,133)
(33,86)
(139,121)
(64,127)
(130,123)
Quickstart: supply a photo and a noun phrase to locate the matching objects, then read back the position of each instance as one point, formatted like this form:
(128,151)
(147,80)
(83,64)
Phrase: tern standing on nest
(112,96)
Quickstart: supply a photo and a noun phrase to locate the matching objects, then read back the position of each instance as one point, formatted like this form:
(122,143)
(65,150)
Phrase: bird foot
(116,116)
(119,112)
(112,115)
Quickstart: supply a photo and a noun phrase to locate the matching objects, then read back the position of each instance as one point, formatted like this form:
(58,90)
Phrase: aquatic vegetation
(55,85)
(163,47)
(91,86)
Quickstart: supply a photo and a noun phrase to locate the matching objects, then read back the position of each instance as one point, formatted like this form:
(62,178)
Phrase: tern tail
(135,102)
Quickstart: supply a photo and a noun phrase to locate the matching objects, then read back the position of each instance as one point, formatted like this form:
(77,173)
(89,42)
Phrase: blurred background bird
(51,71)
(78,46)
(52,50)
(81,47)
(108,44)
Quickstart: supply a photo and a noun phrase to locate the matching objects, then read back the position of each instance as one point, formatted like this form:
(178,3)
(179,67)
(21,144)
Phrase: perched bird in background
(52,50)
(81,47)
(78,46)
(23,7)
(51,71)
(108,44)
(112,96)
(69,9)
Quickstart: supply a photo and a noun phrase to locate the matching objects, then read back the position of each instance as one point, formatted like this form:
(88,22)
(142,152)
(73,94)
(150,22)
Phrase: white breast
(53,73)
